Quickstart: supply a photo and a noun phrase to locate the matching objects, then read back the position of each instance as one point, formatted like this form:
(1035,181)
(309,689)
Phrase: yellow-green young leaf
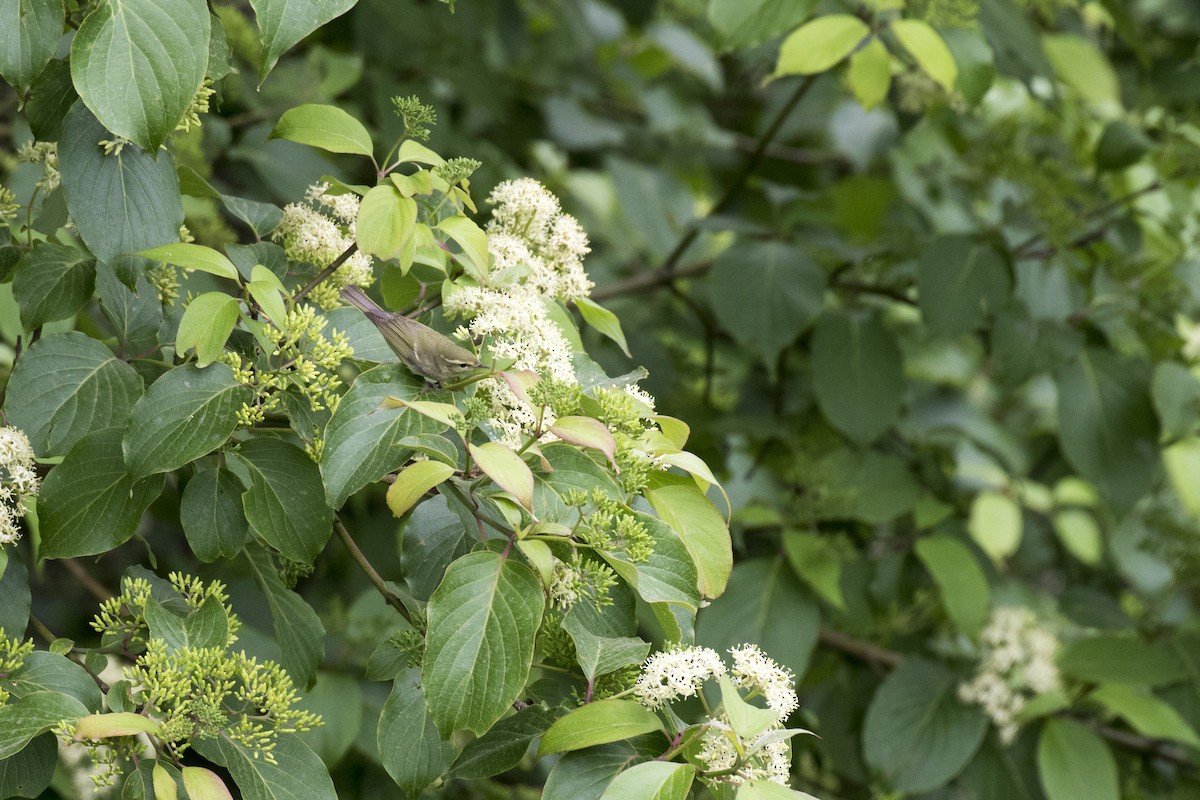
(473,241)
(676,430)
(599,722)
(747,720)
(959,578)
(444,413)
(1082,66)
(327,127)
(603,320)
(203,784)
(507,469)
(816,559)
(413,482)
(995,524)
(586,432)
(539,555)
(769,790)
(420,182)
(652,780)
(1182,461)
(870,73)
(1079,533)
(193,256)
(1145,713)
(267,291)
(105,726)
(929,50)
(164,785)
(819,44)
(414,151)
(206,325)
(1075,764)
(386,221)
(702,529)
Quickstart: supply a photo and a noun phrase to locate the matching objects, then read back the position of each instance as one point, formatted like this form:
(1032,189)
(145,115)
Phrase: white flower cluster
(18,481)
(671,675)
(529,234)
(773,762)
(754,670)
(317,233)
(1017,664)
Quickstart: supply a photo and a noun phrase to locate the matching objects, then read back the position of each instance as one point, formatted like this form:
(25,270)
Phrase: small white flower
(18,481)
(752,668)
(673,674)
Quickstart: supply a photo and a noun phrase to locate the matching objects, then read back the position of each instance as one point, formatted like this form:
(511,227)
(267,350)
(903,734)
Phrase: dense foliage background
(932,314)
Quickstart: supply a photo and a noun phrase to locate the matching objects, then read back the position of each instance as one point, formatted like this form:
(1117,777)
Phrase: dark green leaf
(29,35)
(53,282)
(1075,764)
(283,23)
(858,373)
(503,747)
(210,512)
(338,700)
(284,504)
(134,316)
(50,98)
(298,629)
(585,774)
(1113,658)
(297,773)
(433,537)
(746,23)
(43,671)
(28,773)
(15,599)
(410,746)
(958,281)
(34,714)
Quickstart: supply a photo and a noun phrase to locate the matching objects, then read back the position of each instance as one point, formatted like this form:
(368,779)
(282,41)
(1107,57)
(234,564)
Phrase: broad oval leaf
(67,385)
(1145,713)
(858,373)
(503,747)
(702,529)
(599,722)
(995,524)
(53,282)
(187,413)
(483,619)
(472,241)
(586,432)
(327,127)
(142,206)
(410,747)
(386,221)
(820,44)
(296,773)
(958,280)
(506,468)
(124,723)
(207,322)
(90,503)
(298,629)
(960,580)
(34,714)
(1113,658)
(870,73)
(917,735)
(29,34)
(285,504)
(193,256)
(928,49)
(137,64)
(283,23)
(210,512)
(204,784)
(1075,764)
(653,780)
(413,482)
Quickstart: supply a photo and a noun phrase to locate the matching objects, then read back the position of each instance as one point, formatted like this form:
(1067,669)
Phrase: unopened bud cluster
(19,481)
(1016,665)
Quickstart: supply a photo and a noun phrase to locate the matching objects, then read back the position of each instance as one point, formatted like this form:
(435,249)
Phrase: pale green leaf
(472,241)
(603,320)
(206,325)
(1075,764)
(995,524)
(599,722)
(1082,66)
(1080,534)
(413,482)
(702,529)
(204,784)
(653,780)
(928,49)
(193,256)
(327,127)
(870,73)
(386,221)
(820,44)
(506,468)
(1145,713)
(586,432)
(103,726)
(960,580)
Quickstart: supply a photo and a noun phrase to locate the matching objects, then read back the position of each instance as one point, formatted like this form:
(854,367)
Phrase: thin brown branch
(376,579)
(97,589)
(325,273)
(863,651)
(1020,250)
(648,280)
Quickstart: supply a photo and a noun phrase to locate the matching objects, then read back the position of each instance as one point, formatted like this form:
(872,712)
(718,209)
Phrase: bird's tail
(358,298)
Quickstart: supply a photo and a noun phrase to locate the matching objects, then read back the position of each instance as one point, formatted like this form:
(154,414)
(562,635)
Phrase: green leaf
(669,576)
(210,512)
(285,504)
(53,282)
(28,773)
(327,127)
(482,623)
(820,44)
(503,747)
(653,780)
(32,715)
(413,151)
(207,626)
(815,558)
(598,722)
(960,580)
(43,671)
(1145,713)
(1176,394)
(298,629)
(386,221)
(142,207)
(410,746)
(1083,67)
(297,773)
(603,321)
(585,774)
(917,735)
(187,413)
(65,386)
(995,524)
(51,97)
(745,24)
(858,374)
(104,726)
(928,49)
(15,598)
(413,482)
(1182,461)
(434,536)
(204,784)
(283,23)
(870,73)
(472,241)
(702,529)
(766,294)
(1113,658)
(506,468)
(747,721)
(193,256)
(90,503)
(597,651)
(137,64)
(761,592)
(769,790)
(1080,534)
(586,432)
(29,34)
(958,280)
(206,325)
(134,316)
(1075,764)
(1106,424)
(363,440)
